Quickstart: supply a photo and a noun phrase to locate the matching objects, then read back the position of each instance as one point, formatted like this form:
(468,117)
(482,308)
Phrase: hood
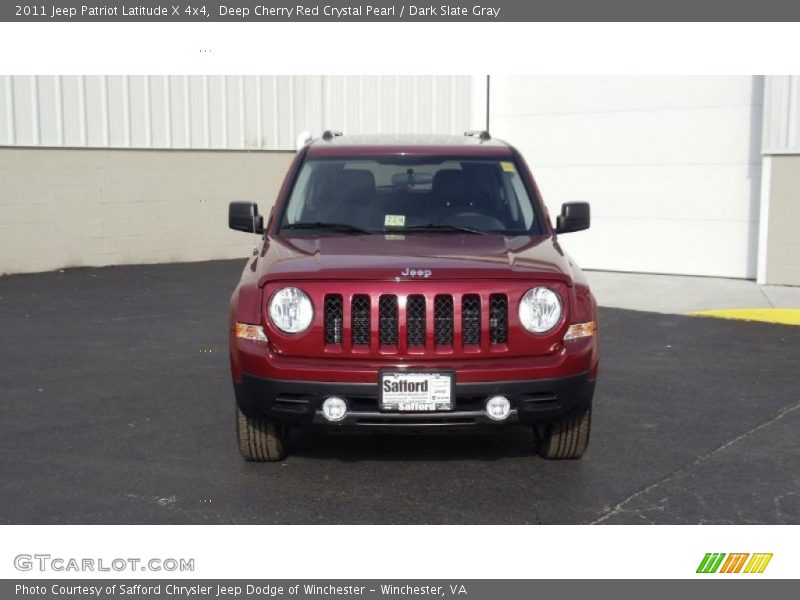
(393,257)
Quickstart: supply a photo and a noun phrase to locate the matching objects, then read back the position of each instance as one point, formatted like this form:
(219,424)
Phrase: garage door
(671,165)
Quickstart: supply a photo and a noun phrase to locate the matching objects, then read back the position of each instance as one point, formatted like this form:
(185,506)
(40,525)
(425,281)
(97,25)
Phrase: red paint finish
(373,265)
(569,358)
(521,343)
(384,258)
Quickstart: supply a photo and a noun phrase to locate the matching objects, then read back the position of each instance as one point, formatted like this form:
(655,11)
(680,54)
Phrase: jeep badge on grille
(425,273)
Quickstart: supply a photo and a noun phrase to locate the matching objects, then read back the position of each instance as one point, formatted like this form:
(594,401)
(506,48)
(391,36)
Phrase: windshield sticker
(508,167)
(394,221)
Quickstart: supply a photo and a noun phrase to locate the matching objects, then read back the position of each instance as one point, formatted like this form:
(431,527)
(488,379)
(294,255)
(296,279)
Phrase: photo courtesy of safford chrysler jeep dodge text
(411,284)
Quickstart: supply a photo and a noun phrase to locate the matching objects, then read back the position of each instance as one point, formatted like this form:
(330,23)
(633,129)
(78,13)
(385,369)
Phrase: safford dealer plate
(407,392)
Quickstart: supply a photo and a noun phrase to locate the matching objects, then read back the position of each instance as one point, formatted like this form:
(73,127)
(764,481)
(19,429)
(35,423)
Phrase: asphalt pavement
(116,407)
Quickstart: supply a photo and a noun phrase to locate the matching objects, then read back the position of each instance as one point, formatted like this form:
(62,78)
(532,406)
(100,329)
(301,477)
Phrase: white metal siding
(671,165)
(222,111)
(782,114)
(779,249)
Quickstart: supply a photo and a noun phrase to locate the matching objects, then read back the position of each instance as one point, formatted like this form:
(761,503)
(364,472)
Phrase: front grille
(387,327)
(360,317)
(498,318)
(443,320)
(471,319)
(333,319)
(415,320)
(473,333)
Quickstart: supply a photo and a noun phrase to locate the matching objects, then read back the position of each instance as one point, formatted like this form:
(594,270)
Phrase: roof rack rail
(483,135)
(329,134)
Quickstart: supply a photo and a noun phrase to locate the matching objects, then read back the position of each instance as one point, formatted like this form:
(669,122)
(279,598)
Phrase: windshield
(441,196)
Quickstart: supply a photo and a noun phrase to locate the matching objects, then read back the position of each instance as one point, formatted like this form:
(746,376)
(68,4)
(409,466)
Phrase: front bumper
(299,402)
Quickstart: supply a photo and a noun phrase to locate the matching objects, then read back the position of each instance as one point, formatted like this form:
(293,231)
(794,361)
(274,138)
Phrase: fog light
(498,407)
(334,408)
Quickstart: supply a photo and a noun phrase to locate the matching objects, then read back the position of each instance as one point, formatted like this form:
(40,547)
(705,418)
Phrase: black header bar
(233,11)
(372,589)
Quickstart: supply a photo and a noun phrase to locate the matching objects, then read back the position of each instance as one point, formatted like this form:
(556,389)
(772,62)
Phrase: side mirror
(243,216)
(574,217)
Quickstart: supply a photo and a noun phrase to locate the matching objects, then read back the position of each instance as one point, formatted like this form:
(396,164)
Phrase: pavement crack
(763,293)
(620,506)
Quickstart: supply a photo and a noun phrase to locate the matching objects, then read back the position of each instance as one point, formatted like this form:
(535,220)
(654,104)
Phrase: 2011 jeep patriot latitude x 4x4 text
(411,284)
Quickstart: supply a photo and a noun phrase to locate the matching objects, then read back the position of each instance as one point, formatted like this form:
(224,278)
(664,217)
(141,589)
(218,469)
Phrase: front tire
(260,440)
(567,438)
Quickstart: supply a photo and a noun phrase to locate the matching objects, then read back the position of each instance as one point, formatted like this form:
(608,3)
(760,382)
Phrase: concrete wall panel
(73,208)
(781,262)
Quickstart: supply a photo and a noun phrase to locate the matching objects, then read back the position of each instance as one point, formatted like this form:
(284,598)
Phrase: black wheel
(260,440)
(566,438)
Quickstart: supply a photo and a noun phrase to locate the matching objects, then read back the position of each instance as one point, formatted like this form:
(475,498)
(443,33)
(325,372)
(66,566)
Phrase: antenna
(488,98)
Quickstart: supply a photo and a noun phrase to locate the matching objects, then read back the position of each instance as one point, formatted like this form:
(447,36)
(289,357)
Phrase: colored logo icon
(719,562)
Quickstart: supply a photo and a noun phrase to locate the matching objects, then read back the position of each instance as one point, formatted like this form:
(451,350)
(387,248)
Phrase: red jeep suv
(411,284)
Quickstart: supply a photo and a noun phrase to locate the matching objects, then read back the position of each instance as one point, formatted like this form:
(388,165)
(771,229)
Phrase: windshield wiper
(342,227)
(435,227)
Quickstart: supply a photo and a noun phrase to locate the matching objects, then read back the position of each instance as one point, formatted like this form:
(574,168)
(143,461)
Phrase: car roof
(408,145)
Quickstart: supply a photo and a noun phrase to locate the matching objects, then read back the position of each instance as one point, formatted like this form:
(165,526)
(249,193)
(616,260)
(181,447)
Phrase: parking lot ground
(684,294)
(116,407)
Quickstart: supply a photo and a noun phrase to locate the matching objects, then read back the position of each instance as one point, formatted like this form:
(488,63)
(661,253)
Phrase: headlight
(290,310)
(540,310)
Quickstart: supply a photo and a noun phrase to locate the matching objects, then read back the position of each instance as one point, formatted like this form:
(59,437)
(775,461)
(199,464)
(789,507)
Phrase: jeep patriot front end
(411,284)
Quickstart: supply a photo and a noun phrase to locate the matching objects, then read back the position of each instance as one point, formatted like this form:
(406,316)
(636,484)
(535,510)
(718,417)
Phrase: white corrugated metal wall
(652,154)
(779,247)
(264,112)
(70,197)
(782,114)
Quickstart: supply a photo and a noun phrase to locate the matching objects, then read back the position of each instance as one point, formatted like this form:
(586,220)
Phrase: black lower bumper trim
(423,420)
(299,402)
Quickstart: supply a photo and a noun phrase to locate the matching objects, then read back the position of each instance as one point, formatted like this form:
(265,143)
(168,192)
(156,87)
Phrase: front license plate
(418,392)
